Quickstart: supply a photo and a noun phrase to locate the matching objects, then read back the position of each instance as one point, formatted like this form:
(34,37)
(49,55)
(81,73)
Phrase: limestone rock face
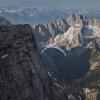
(43,32)
(91,94)
(22,73)
(76,30)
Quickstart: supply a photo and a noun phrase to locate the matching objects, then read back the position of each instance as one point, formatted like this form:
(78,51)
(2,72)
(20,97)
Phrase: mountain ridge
(57,77)
(19,15)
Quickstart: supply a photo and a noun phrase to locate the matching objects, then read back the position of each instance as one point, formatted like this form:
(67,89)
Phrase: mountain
(54,61)
(19,15)
(71,49)
(22,73)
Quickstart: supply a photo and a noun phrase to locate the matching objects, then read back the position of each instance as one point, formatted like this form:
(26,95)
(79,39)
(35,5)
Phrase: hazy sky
(53,3)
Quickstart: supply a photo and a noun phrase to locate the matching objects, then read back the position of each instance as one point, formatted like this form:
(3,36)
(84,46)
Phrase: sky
(52,3)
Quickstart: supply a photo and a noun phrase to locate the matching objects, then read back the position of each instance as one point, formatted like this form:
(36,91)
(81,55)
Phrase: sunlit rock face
(91,94)
(44,32)
(76,30)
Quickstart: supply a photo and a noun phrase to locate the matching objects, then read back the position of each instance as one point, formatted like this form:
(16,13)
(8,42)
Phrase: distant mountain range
(19,15)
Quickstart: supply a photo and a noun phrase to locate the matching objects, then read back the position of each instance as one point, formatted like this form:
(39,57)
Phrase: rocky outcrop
(76,30)
(91,94)
(45,32)
(76,19)
(22,74)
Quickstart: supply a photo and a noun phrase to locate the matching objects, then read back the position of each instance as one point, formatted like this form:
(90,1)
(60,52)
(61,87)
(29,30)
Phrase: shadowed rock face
(72,31)
(72,66)
(22,73)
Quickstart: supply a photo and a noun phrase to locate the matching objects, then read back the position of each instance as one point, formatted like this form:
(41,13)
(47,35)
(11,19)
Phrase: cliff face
(43,32)
(22,73)
(76,30)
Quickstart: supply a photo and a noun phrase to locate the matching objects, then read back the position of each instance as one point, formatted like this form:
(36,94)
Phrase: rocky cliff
(70,32)
(22,74)
(45,32)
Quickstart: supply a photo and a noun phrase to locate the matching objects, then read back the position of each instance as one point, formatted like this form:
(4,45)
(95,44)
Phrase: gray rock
(22,74)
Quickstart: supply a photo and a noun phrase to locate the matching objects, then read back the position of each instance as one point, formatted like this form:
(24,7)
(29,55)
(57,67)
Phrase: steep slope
(19,15)
(76,30)
(22,74)
(45,33)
